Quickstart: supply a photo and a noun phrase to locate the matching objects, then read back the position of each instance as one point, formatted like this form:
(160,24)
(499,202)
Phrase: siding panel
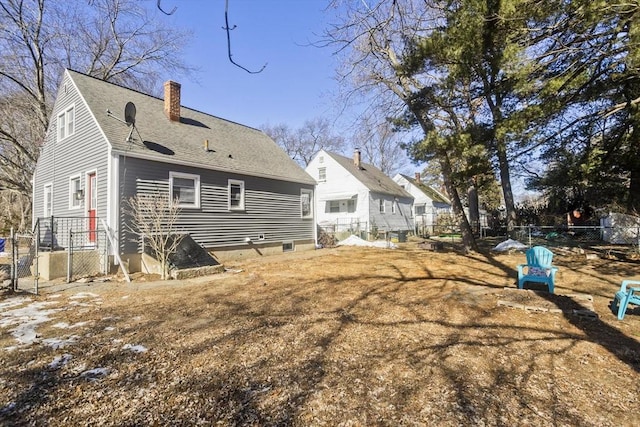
(86,150)
(272,207)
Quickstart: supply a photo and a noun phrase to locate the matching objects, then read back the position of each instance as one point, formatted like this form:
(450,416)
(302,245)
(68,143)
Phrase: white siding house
(357,197)
(428,203)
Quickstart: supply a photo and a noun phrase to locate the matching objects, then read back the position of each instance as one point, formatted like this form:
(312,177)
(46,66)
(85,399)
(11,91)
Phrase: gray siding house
(238,192)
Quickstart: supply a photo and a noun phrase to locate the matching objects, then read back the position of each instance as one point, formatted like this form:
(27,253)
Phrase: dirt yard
(346,336)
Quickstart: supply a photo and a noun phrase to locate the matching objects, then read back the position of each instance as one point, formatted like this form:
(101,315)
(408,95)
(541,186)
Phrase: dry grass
(336,337)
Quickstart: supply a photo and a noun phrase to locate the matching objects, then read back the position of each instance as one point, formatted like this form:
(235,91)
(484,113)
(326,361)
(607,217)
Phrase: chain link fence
(25,265)
(576,236)
(81,240)
(87,260)
(345,227)
(19,261)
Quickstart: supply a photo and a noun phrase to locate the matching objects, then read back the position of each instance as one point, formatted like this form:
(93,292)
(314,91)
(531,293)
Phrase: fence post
(14,261)
(36,254)
(69,255)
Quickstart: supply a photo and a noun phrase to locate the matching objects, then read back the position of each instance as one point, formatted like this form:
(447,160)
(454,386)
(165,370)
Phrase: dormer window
(66,123)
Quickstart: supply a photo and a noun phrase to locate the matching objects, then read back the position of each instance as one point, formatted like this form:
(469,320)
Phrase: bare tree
(303,143)
(373,40)
(381,145)
(114,40)
(152,219)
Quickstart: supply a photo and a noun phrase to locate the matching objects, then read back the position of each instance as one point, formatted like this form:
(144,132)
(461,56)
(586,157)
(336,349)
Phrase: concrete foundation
(53,265)
(256,249)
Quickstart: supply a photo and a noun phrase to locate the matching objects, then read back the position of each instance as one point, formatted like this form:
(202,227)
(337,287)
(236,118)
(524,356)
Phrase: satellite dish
(130,113)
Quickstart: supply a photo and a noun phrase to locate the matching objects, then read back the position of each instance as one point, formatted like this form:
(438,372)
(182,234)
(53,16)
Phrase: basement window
(287,247)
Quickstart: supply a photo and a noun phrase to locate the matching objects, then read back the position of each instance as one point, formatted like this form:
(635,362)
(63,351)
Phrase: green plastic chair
(538,268)
(625,296)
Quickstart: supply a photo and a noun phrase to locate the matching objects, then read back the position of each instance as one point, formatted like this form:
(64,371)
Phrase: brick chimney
(356,158)
(418,177)
(172,100)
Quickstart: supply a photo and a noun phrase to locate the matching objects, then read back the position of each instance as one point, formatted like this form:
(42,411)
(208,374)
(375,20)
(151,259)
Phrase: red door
(92,206)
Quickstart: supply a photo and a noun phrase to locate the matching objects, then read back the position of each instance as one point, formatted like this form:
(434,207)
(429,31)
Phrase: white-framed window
(184,188)
(393,206)
(336,206)
(306,206)
(47,198)
(420,209)
(236,195)
(66,123)
(381,205)
(322,174)
(75,192)
(288,246)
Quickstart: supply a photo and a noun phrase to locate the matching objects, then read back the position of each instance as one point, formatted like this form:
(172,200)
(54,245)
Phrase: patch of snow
(354,240)
(26,319)
(57,343)
(60,361)
(109,328)
(84,295)
(134,348)
(510,244)
(61,325)
(54,296)
(14,302)
(95,373)
(79,304)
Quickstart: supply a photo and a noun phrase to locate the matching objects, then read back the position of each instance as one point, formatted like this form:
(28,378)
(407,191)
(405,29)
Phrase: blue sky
(297,83)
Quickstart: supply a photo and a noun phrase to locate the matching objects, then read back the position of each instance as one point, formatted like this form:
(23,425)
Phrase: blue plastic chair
(625,296)
(538,268)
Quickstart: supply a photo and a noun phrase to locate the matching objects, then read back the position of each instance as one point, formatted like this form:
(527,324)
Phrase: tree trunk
(468,239)
(505,181)
(474,206)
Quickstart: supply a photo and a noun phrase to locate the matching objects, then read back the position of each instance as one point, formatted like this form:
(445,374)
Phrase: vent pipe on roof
(356,158)
(172,100)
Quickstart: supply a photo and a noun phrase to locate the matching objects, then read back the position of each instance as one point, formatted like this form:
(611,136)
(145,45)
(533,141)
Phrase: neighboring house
(238,192)
(619,228)
(358,197)
(428,203)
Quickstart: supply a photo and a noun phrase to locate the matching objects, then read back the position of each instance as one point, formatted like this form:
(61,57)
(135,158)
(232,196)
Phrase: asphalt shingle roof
(232,147)
(433,194)
(372,177)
